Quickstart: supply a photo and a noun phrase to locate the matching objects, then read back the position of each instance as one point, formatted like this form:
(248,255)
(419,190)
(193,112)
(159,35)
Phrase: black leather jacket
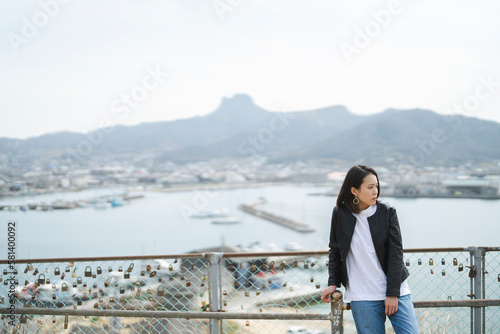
(386,236)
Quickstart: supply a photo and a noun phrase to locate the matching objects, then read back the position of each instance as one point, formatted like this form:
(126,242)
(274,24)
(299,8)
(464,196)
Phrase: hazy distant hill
(239,128)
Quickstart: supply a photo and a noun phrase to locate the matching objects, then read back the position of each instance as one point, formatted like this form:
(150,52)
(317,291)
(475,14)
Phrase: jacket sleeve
(334,259)
(395,256)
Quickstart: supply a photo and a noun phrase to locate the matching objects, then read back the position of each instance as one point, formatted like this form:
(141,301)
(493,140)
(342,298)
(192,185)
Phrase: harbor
(101,202)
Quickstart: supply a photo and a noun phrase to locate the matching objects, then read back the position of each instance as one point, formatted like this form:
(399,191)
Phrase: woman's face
(367,192)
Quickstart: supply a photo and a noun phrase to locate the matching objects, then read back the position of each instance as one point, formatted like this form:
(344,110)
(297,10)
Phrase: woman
(366,256)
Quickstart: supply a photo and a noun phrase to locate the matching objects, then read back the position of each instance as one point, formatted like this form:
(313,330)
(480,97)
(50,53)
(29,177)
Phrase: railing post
(215,274)
(483,283)
(476,275)
(337,315)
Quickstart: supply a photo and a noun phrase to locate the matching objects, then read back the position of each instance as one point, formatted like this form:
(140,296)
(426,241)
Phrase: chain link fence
(491,290)
(247,292)
(441,276)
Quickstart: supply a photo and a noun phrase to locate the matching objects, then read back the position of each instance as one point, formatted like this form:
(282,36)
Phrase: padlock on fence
(88,271)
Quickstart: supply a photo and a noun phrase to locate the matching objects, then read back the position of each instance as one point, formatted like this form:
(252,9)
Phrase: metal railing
(235,293)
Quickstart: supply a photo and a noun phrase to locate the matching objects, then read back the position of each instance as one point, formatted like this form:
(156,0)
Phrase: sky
(74,65)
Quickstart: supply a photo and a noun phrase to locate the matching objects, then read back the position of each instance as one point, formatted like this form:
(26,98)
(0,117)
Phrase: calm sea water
(158,223)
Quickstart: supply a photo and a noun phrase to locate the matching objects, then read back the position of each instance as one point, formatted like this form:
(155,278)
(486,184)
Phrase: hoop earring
(355,200)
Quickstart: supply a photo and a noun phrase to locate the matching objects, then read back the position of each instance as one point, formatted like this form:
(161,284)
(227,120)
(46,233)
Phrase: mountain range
(239,128)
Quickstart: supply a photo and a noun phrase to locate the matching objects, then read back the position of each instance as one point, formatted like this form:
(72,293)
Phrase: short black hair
(354,178)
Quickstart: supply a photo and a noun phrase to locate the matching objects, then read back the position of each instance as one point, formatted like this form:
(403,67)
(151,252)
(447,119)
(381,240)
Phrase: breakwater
(283,221)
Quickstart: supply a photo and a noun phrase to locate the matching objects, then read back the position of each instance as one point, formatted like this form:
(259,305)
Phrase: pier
(283,221)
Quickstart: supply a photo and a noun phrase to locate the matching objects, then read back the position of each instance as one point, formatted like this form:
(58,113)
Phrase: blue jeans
(369,317)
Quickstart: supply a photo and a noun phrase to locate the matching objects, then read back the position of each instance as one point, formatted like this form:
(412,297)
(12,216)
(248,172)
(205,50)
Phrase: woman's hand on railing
(325,295)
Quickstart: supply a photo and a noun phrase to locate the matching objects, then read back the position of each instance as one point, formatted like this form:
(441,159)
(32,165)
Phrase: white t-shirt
(367,280)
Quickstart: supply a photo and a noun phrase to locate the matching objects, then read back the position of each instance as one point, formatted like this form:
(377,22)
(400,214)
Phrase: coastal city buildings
(47,175)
